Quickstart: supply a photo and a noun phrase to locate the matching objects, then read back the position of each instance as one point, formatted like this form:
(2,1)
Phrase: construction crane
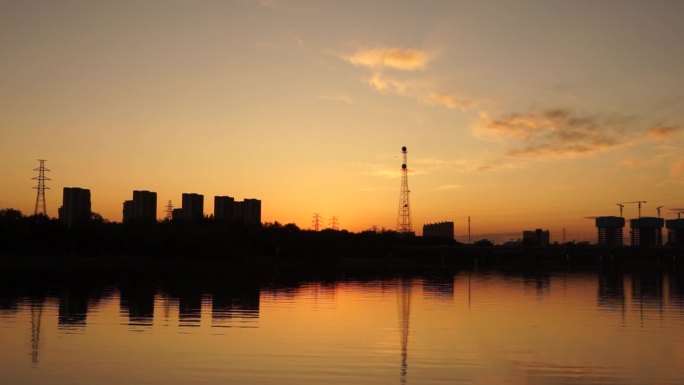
(621,207)
(679,212)
(637,202)
(658,208)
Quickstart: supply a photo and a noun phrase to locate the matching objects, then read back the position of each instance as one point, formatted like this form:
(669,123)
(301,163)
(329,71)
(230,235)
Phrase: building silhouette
(439,229)
(251,212)
(675,231)
(193,207)
(223,208)
(143,207)
(247,212)
(609,230)
(537,237)
(647,231)
(75,207)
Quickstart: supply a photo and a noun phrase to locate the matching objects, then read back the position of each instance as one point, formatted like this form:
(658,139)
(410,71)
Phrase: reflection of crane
(637,202)
(621,207)
(404,302)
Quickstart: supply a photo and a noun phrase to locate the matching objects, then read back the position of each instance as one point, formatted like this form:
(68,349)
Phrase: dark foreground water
(219,325)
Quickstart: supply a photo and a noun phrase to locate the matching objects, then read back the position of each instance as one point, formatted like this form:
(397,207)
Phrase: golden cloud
(662,132)
(404,59)
(556,132)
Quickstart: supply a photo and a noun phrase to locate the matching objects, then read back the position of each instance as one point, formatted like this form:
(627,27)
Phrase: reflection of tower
(404,302)
(36,316)
(41,208)
(404,215)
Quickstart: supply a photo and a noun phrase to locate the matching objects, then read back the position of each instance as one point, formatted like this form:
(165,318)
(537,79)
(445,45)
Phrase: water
(95,326)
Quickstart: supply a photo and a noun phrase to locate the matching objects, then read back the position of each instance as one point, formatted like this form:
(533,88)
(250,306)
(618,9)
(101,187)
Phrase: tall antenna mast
(169,211)
(404,214)
(41,207)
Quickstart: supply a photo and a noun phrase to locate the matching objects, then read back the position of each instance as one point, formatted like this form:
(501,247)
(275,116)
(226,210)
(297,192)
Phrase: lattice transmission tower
(41,207)
(404,214)
(317,221)
(334,223)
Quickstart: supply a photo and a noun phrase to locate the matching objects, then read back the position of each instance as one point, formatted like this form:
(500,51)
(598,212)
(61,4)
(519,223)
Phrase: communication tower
(404,214)
(41,207)
(169,211)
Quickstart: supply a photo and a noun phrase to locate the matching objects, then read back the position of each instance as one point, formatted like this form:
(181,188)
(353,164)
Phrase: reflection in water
(611,290)
(36,318)
(404,300)
(321,329)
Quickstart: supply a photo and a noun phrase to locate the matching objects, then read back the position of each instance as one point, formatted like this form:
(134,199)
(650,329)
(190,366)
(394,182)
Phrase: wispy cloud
(449,187)
(421,91)
(557,133)
(662,132)
(337,98)
(405,59)
(677,171)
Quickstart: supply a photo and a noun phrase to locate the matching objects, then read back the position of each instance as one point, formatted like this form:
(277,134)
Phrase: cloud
(449,187)
(662,132)
(449,100)
(420,91)
(677,171)
(556,133)
(405,59)
(337,98)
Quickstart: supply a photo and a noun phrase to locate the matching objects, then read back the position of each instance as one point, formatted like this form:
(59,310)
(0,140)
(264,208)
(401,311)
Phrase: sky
(521,115)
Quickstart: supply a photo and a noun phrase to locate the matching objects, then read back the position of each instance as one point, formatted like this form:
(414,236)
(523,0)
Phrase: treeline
(40,235)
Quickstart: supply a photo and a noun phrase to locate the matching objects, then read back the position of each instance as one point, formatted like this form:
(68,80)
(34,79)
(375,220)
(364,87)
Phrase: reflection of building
(247,212)
(193,207)
(675,232)
(535,238)
(73,308)
(75,206)
(439,287)
(610,230)
(143,207)
(189,307)
(647,231)
(440,229)
(138,300)
(239,303)
(611,290)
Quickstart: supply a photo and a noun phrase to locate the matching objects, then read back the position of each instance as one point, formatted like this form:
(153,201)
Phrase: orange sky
(519,115)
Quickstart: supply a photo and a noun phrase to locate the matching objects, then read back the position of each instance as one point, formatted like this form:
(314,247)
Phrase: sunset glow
(520,115)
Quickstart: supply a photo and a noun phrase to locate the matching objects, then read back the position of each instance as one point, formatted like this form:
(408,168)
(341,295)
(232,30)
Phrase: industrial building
(75,206)
(535,238)
(193,207)
(647,231)
(609,230)
(247,212)
(143,207)
(675,232)
(439,229)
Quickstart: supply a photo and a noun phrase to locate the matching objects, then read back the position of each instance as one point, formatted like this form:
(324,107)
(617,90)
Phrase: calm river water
(604,326)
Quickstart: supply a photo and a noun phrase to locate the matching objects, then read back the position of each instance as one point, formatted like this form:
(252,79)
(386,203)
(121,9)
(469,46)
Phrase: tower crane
(658,208)
(638,203)
(621,207)
(678,212)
